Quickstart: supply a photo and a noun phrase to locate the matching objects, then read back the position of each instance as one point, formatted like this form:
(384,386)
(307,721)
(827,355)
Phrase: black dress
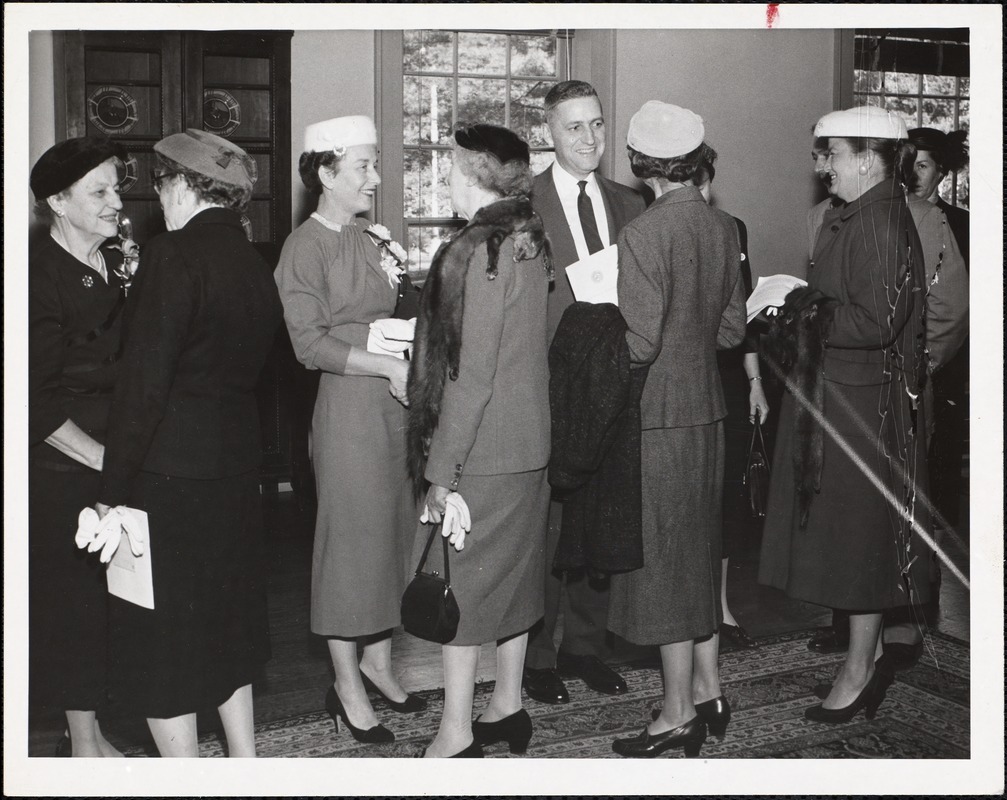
(74,322)
(186,449)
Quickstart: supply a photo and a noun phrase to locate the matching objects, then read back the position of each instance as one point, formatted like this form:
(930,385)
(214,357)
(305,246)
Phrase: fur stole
(797,341)
(438,340)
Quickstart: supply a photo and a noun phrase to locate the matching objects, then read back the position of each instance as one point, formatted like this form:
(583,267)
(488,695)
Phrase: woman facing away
(479,429)
(185,448)
(333,285)
(682,296)
(854,411)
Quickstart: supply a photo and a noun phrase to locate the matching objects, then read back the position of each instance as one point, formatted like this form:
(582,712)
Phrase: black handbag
(429,609)
(756,477)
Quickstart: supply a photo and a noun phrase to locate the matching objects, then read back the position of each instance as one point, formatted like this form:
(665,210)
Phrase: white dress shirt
(568,191)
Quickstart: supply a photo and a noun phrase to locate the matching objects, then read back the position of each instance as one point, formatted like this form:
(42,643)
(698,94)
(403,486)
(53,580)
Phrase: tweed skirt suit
(491,445)
(681,294)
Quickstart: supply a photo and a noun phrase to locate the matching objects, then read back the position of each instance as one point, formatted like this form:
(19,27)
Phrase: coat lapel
(547,204)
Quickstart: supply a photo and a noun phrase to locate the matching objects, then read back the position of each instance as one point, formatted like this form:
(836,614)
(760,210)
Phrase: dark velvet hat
(948,148)
(65,163)
(502,143)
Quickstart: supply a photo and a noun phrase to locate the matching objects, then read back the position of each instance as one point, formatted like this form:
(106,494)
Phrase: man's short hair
(567,90)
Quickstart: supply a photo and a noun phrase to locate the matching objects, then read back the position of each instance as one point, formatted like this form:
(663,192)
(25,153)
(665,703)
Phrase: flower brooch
(393,255)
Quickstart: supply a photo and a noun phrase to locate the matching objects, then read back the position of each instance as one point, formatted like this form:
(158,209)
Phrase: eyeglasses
(158,178)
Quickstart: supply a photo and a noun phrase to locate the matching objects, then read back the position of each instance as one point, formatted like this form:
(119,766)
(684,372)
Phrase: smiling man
(583,213)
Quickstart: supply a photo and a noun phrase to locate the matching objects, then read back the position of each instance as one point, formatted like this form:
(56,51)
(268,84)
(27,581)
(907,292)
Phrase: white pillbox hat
(663,130)
(862,121)
(340,132)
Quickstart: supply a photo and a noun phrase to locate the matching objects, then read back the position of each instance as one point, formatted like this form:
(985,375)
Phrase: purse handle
(756,430)
(426,550)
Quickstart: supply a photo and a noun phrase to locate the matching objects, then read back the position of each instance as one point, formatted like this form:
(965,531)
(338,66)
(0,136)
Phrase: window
(451,77)
(924,77)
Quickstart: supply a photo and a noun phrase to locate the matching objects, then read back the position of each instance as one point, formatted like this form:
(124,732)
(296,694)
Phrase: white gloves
(456,521)
(105,534)
(391,337)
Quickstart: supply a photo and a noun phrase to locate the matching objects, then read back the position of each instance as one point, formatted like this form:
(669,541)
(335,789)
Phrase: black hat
(503,144)
(65,163)
(949,149)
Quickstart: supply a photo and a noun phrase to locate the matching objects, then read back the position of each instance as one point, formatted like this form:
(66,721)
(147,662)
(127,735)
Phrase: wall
(331,75)
(41,99)
(759,93)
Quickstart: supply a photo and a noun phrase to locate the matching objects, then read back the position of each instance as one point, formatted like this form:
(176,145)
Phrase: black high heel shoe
(689,737)
(64,747)
(410,705)
(474,750)
(716,713)
(516,730)
(379,734)
(869,699)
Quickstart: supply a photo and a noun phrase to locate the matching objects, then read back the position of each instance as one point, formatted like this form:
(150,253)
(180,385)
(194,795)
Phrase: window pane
(483,53)
(540,161)
(963,187)
(426,113)
(423,194)
(533,55)
(427,51)
(938,84)
(866,80)
(963,115)
(481,101)
(902,83)
(907,107)
(527,115)
(963,84)
(423,243)
(939,112)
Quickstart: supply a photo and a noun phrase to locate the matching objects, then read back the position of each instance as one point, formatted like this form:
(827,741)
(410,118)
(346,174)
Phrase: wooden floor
(299,672)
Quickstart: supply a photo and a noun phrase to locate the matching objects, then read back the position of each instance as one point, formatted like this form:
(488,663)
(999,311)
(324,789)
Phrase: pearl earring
(863,170)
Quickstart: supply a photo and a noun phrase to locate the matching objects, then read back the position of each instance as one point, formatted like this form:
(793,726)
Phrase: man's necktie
(585,209)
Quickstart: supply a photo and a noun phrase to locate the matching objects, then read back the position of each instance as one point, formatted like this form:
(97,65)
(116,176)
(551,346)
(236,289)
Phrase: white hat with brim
(339,133)
(868,122)
(663,130)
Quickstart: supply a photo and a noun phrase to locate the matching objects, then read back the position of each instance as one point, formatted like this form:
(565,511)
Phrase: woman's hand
(398,377)
(757,402)
(433,510)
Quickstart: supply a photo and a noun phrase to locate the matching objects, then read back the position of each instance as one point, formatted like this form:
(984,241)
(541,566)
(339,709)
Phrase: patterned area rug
(925,714)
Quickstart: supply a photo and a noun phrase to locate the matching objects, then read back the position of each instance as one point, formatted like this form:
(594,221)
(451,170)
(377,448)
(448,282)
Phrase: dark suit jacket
(202,315)
(494,418)
(681,293)
(958,219)
(621,205)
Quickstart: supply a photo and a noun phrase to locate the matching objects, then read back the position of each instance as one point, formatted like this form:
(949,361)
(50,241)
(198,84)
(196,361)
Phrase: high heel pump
(379,734)
(716,713)
(689,737)
(410,705)
(515,729)
(869,699)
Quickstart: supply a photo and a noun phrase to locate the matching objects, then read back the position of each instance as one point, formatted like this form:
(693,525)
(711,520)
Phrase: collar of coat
(438,340)
(887,190)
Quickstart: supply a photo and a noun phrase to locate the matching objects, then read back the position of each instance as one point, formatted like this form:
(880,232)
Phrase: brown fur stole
(438,341)
(797,342)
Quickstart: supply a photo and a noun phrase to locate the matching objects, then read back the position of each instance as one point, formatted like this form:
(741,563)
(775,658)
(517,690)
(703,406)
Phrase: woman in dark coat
(75,302)
(479,430)
(744,397)
(831,536)
(186,449)
(681,294)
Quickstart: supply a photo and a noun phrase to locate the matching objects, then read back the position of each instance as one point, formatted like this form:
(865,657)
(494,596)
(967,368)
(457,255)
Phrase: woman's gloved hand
(105,534)
(449,509)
